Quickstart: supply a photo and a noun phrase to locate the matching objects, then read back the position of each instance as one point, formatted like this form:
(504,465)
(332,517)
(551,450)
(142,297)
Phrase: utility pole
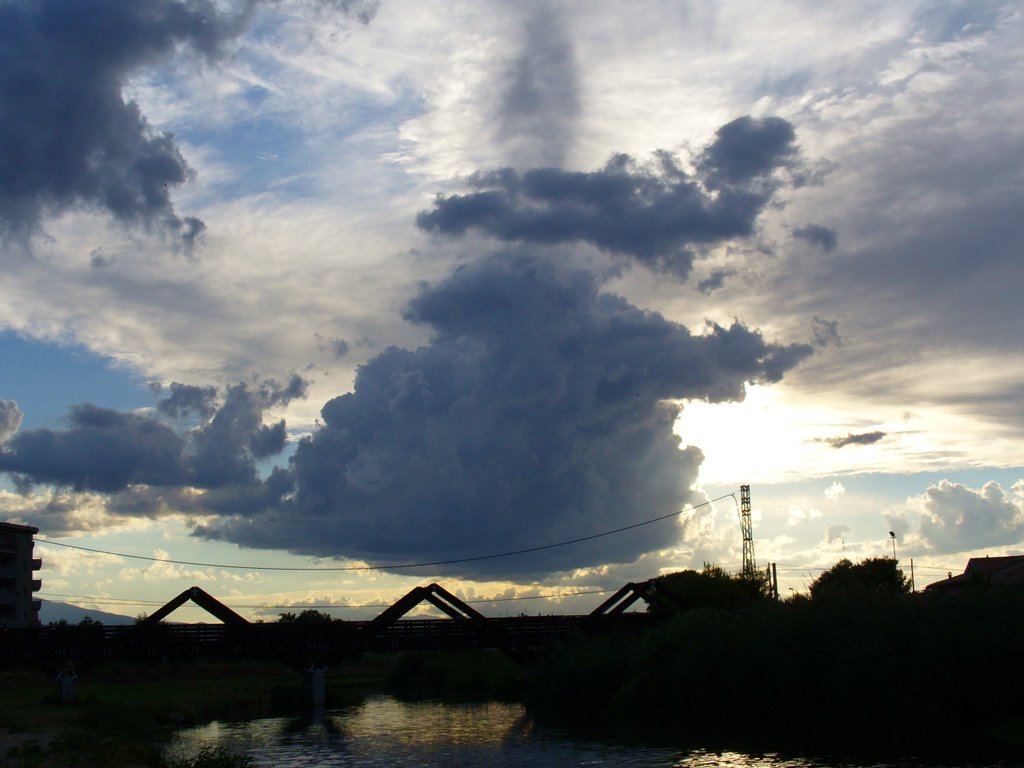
(747,528)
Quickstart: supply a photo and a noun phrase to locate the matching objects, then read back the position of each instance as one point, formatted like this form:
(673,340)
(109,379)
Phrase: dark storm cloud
(222,451)
(186,399)
(68,138)
(747,149)
(10,419)
(102,450)
(107,451)
(540,100)
(864,438)
(653,213)
(822,237)
(537,413)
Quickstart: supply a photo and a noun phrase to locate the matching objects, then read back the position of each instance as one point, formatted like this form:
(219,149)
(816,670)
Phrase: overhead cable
(392,566)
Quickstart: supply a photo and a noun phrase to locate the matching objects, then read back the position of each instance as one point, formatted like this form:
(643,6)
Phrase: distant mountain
(72,614)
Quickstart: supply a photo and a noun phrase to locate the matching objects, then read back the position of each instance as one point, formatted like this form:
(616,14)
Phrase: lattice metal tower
(747,527)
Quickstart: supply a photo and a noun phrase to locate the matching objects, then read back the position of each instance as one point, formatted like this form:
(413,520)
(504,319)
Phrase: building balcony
(37,563)
(36,605)
(37,584)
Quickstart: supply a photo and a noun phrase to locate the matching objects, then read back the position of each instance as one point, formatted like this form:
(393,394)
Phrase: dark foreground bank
(891,674)
(125,711)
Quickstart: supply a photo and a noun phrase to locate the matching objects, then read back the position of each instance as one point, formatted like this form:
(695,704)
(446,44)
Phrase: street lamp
(892,535)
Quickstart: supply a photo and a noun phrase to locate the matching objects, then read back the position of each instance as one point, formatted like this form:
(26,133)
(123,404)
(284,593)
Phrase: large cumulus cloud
(955,517)
(654,213)
(539,412)
(109,451)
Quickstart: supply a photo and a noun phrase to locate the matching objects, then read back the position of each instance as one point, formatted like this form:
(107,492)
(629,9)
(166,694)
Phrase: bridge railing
(94,643)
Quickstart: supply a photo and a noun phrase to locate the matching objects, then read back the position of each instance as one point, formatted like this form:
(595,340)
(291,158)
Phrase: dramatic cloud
(102,450)
(540,412)
(223,450)
(747,150)
(107,451)
(68,137)
(187,398)
(955,518)
(10,419)
(653,213)
(864,438)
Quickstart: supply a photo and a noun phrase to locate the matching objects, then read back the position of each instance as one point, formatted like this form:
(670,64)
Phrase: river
(385,732)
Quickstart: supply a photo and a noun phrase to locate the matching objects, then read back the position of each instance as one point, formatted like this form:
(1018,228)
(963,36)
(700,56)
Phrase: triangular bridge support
(652,592)
(452,607)
(204,600)
(434,594)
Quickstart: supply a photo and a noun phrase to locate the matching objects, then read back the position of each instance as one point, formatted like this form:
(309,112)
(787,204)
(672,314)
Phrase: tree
(308,616)
(872,576)
(711,587)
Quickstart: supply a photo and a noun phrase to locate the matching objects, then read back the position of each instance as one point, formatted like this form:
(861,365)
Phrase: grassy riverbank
(124,710)
(908,674)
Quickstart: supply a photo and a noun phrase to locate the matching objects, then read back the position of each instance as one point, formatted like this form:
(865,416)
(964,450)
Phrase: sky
(300,294)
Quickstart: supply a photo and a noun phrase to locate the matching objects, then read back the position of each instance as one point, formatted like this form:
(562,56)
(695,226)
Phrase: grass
(125,710)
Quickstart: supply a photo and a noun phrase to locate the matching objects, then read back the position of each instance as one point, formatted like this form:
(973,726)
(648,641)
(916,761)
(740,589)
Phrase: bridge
(312,647)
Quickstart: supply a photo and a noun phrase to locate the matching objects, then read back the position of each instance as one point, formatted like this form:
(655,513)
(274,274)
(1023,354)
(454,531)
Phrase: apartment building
(18,607)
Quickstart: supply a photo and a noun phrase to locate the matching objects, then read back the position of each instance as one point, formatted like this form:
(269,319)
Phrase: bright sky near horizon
(345,283)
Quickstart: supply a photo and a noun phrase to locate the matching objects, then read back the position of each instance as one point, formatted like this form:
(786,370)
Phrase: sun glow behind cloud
(778,434)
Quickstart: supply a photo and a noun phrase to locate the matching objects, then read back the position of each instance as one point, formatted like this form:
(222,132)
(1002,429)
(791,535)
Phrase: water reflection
(385,732)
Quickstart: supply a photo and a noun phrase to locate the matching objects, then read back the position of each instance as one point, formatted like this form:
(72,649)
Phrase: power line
(393,566)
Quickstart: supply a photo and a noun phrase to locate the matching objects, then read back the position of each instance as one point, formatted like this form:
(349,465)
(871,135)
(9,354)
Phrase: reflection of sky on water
(385,732)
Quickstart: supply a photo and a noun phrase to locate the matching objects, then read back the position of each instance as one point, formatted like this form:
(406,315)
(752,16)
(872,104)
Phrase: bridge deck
(521,634)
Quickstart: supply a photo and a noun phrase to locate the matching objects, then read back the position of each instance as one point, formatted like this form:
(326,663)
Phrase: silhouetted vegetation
(308,616)
(711,587)
(877,669)
(876,575)
(457,676)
